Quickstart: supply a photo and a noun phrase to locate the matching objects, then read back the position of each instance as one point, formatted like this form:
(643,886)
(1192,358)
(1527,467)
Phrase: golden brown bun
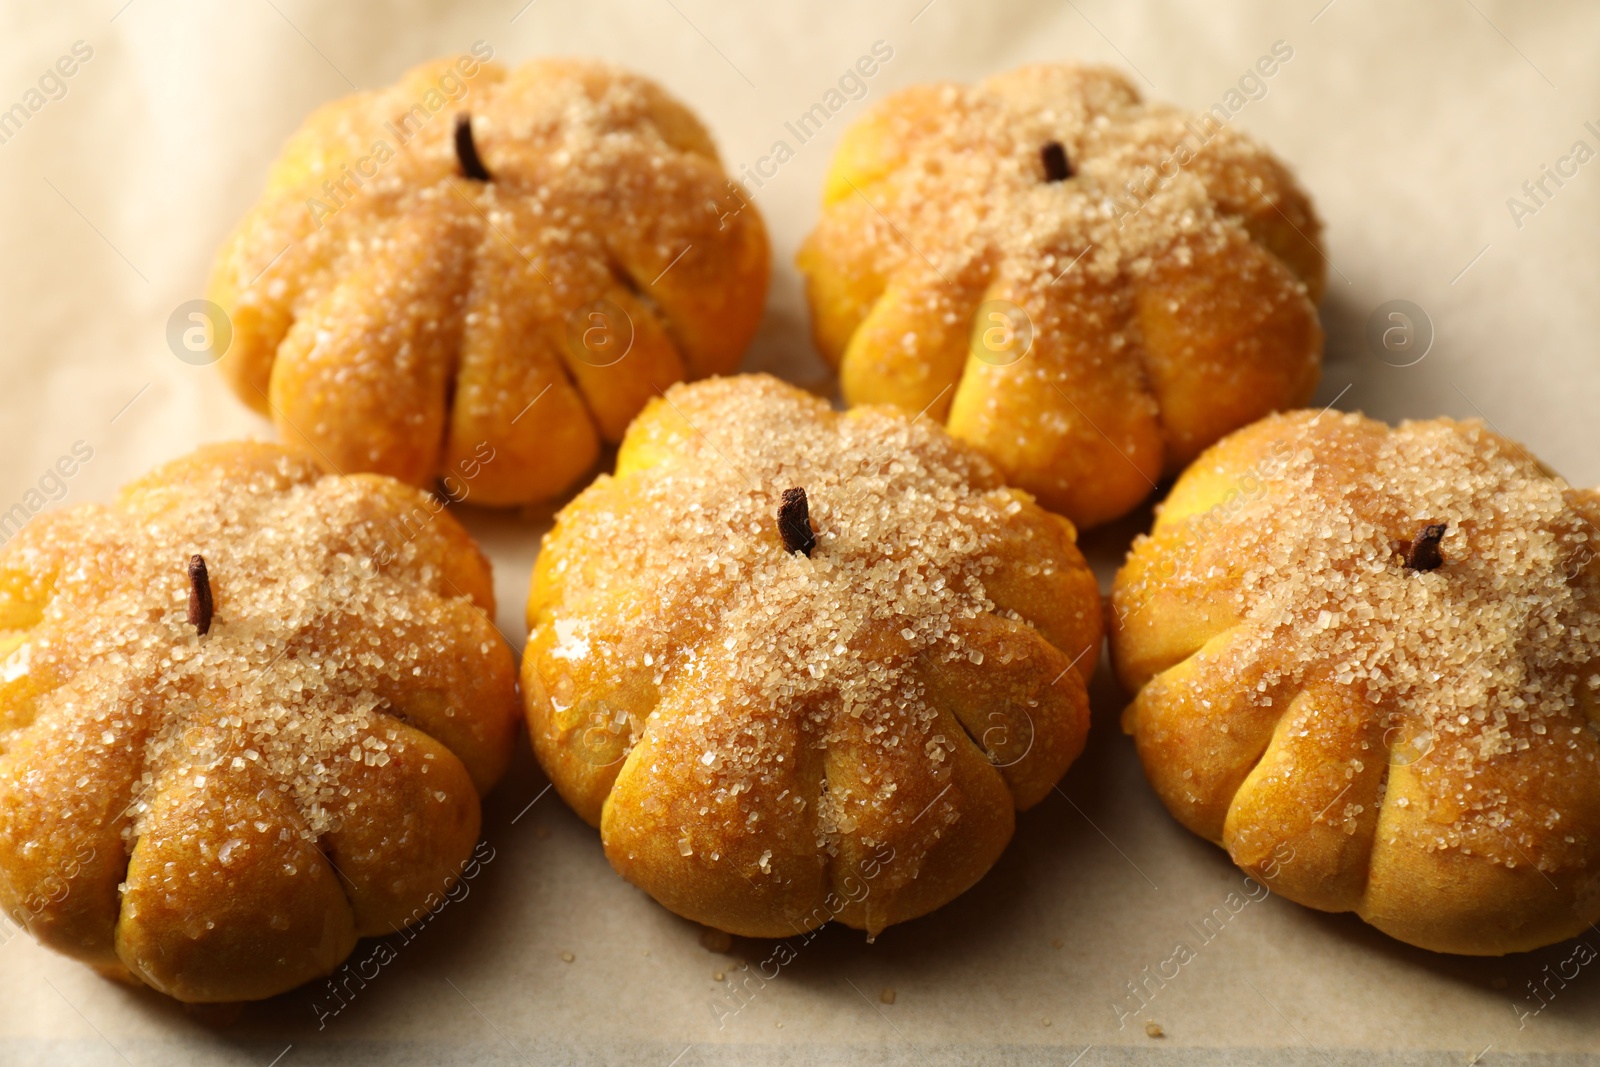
(398,316)
(1361,729)
(220,816)
(1170,282)
(769,740)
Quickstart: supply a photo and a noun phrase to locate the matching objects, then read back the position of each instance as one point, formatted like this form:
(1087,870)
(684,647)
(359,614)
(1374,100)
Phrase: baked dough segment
(289,253)
(1028,722)
(223,899)
(872,149)
(587,711)
(1222,323)
(469,667)
(519,428)
(746,856)
(1252,186)
(1163,315)
(707,290)
(583,719)
(1520,883)
(61,861)
(928,841)
(1201,725)
(893,321)
(1162,616)
(1049,592)
(912,345)
(1071,421)
(30,574)
(615,348)
(844,292)
(1317,790)
(377,349)
(408,825)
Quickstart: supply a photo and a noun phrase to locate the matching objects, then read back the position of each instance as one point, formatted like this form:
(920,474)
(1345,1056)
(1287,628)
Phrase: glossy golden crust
(221,816)
(1171,282)
(1417,746)
(399,317)
(769,741)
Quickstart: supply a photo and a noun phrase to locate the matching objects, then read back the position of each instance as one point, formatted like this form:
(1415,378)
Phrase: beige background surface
(1411,123)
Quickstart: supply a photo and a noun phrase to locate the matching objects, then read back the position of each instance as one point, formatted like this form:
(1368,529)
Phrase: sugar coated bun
(478,262)
(781,713)
(1365,663)
(1088,286)
(214,777)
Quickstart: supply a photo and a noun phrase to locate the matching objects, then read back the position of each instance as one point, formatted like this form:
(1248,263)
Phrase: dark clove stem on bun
(467,151)
(1422,551)
(1056,166)
(794,522)
(200,608)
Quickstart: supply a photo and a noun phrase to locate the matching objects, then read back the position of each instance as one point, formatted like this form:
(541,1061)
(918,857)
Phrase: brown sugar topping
(968,209)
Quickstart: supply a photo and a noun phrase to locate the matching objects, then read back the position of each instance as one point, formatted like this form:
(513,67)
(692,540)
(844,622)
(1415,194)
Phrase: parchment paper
(1412,124)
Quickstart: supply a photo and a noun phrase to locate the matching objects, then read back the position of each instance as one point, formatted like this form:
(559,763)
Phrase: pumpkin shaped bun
(246,713)
(1367,663)
(1088,287)
(488,261)
(800,665)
